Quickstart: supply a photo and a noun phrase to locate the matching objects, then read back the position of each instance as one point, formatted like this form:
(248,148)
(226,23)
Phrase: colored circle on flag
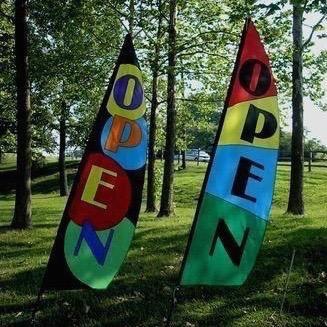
(128,92)
(103,194)
(255,77)
(84,248)
(127,95)
(125,141)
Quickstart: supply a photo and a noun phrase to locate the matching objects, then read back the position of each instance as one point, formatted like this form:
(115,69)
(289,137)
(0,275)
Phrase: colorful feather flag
(102,210)
(234,205)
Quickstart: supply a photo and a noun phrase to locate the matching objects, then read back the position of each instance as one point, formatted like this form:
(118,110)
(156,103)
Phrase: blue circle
(129,158)
(120,89)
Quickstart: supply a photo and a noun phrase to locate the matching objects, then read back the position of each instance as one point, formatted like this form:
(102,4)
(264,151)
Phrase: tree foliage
(74,44)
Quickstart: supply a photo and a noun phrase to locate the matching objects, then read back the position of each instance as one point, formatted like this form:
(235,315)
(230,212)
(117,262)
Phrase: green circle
(84,264)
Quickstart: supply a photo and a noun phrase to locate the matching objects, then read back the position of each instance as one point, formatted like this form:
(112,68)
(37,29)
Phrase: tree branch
(147,97)
(195,37)
(118,14)
(150,38)
(200,101)
(305,4)
(305,44)
(202,72)
(187,54)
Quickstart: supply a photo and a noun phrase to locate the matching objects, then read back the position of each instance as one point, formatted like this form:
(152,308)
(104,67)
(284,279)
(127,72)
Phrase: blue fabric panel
(259,185)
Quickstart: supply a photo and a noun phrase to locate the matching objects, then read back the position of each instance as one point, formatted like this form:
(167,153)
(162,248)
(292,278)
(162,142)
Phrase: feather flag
(236,196)
(102,210)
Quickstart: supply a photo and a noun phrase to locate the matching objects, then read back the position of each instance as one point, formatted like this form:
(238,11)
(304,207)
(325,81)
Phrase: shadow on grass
(123,304)
(5,229)
(8,178)
(304,299)
(51,185)
(139,296)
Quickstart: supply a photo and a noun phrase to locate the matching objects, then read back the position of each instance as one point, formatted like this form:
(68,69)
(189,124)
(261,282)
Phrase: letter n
(90,236)
(233,250)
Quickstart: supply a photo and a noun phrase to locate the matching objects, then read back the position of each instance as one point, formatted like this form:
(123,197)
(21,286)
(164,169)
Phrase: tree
(310,144)
(22,215)
(71,61)
(7,81)
(155,69)
(166,204)
(306,70)
(62,149)
(202,31)
(295,201)
(131,17)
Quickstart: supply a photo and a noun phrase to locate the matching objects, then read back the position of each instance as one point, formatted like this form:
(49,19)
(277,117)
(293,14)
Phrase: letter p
(252,122)
(123,133)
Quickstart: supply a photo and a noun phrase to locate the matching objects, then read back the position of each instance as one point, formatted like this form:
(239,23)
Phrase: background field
(141,293)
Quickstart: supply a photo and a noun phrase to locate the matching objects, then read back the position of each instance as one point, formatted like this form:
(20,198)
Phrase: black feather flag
(100,217)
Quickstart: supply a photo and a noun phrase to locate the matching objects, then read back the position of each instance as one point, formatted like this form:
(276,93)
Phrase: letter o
(127,96)
(255,77)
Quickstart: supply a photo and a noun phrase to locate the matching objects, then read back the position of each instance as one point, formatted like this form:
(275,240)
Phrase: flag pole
(173,305)
(37,305)
(287,282)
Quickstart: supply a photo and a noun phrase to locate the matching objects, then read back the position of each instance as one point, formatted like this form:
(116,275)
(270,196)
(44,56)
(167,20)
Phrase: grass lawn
(141,293)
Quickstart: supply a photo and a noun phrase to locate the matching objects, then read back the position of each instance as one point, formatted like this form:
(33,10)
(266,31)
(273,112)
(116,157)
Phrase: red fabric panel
(254,78)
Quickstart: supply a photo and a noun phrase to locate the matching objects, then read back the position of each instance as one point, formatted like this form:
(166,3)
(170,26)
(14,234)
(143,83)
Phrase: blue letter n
(99,250)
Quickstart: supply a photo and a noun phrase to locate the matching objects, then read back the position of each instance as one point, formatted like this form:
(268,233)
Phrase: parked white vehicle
(193,154)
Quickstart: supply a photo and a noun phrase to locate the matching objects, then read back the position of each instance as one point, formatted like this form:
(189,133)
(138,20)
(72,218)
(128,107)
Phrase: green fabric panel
(200,267)
(85,267)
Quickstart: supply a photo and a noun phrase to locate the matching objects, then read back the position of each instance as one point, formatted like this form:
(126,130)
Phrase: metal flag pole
(287,282)
(36,305)
(173,305)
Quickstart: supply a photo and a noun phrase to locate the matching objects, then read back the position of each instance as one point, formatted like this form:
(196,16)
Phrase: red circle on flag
(103,193)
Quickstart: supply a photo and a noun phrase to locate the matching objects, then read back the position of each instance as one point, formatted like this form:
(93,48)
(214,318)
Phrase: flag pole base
(172,306)
(36,307)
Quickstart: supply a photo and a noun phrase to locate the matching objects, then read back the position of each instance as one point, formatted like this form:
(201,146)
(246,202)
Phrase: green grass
(141,293)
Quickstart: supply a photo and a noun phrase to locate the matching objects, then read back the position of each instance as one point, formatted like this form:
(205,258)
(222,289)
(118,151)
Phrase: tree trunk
(62,149)
(151,186)
(151,191)
(184,159)
(166,205)
(183,166)
(22,215)
(295,202)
